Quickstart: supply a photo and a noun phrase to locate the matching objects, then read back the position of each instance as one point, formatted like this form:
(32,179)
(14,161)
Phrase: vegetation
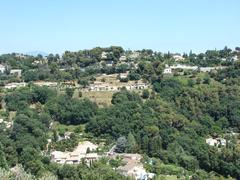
(168,123)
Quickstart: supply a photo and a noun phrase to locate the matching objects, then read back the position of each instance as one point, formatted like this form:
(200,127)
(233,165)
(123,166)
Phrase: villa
(17,72)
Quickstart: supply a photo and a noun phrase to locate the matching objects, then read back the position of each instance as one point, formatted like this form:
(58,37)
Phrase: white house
(17,72)
(167,71)
(123,58)
(109,63)
(45,83)
(2,68)
(234,58)
(123,75)
(211,142)
(104,55)
(59,157)
(216,141)
(178,57)
(183,66)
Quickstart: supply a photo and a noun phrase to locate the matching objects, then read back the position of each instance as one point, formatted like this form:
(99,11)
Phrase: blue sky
(162,25)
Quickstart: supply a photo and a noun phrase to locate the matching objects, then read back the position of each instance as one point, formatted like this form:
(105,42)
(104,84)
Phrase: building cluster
(40,83)
(78,155)
(171,69)
(102,86)
(133,167)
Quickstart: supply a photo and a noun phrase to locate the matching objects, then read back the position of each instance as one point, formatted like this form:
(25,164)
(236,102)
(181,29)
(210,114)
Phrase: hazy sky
(162,25)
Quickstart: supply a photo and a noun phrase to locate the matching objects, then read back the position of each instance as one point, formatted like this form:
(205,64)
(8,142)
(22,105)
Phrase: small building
(178,57)
(184,67)
(59,157)
(104,55)
(234,58)
(123,58)
(45,83)
(16,72)
(167,71)
(123,75)
(2,68)
(211,142)
(91,157)
(109,63)
(216,142)
(134,168)
(15,85)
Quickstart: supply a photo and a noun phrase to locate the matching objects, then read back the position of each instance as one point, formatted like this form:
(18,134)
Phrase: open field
(102,98)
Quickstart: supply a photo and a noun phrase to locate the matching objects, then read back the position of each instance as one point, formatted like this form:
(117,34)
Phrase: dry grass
(102,98)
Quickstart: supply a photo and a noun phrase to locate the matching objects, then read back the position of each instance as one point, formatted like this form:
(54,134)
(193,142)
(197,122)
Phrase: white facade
(123,58)
(17,72)
(99,86)
(104,55)
(15,85)
(167,71)
(2,68)
(44,83)
(182,66)
(216,141)
(178,57)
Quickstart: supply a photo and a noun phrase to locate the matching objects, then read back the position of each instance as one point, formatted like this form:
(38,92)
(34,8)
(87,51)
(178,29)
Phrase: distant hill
(35,53)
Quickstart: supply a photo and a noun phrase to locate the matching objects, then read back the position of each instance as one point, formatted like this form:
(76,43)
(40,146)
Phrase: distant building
(123,58)
(104,55)
(109,63)
(123,75)
(234,58)
(17,72)
(216,141)
(2,68)
(134,168)
(184,67)
(167,71)
(209,69)
(45,83)
(178,57)
(101,86)
(15,85)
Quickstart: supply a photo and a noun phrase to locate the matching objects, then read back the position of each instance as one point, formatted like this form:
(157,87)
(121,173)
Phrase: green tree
(131,146)
(3,161)
(145,94)
(69,92)
(121,144)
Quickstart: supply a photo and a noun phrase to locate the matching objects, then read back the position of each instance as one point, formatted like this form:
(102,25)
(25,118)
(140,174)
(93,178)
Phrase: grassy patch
(102,98)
